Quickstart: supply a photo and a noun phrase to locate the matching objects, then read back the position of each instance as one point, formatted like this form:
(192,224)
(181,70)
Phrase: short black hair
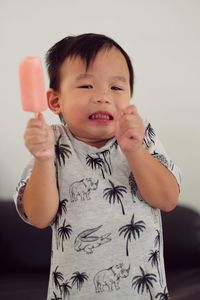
(86,46)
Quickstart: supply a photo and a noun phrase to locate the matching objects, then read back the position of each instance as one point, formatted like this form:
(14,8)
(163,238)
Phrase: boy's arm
(156,183)
(40,199)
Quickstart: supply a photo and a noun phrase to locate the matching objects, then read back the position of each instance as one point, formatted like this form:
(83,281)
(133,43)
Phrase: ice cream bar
(32,85)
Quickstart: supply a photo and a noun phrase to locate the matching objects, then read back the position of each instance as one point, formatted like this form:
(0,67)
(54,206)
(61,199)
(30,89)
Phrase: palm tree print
(115,145)
(57,277)
(65,289)
(134,189)
(64,233)
(154,258)
(157,239)
(163,296)
(20,189)
(56,297)
(149,136)
(106,158)
(62,208)
(79,279)
(95,163)
(115,193)
(100,161)
(133,229)
(144,282)
(62,151)
(171,165)
(161,158)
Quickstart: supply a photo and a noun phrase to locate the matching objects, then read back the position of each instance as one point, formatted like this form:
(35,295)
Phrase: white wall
(163,40)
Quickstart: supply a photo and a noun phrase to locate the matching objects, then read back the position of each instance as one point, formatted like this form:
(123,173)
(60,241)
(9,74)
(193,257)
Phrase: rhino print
(81,189)
(110,278)
(87,242)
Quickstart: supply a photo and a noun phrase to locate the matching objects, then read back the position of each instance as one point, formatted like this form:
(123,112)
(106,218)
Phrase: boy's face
(90,101)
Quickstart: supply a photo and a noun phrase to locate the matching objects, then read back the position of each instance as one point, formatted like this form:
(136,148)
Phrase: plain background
(163,41)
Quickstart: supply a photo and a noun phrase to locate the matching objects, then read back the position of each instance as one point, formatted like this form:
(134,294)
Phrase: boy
(99,180)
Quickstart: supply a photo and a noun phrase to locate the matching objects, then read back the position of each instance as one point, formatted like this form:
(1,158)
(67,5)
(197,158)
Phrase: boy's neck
(93,142)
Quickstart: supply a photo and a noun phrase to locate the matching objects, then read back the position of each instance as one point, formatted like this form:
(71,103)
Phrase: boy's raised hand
(129,129)
(39,139)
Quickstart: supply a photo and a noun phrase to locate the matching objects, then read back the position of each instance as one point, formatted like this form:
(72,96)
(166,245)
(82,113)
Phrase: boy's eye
(116,88)
(86,86)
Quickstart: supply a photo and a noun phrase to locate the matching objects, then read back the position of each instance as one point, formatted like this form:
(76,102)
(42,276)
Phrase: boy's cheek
(121,104)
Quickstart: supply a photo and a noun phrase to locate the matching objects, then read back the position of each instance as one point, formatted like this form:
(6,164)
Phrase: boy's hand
(129,129)
(39,139)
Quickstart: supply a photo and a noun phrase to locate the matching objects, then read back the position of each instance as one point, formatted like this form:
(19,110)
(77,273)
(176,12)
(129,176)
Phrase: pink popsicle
(32,85)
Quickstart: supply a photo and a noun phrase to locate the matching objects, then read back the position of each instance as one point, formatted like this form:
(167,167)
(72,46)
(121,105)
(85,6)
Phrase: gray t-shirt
(106,240)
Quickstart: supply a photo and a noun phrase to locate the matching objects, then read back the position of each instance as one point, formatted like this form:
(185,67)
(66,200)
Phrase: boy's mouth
(101,115)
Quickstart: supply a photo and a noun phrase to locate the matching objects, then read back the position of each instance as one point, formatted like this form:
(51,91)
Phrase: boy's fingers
(131,109)
(41,117)
(38,121)
(35,131)
(34,123)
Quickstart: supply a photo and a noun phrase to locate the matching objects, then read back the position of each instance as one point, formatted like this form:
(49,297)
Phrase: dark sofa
(25,255)
(181,230)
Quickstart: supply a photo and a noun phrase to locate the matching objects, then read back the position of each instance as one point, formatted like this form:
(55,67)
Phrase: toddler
(99,180)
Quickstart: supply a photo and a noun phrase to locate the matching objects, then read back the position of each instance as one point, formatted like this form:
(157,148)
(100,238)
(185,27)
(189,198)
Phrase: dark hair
(86,46)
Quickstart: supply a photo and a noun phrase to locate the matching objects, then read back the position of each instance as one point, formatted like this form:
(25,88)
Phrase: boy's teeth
(100,116)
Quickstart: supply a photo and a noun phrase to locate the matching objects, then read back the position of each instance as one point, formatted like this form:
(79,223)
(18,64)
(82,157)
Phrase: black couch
(25,255)
(181,230)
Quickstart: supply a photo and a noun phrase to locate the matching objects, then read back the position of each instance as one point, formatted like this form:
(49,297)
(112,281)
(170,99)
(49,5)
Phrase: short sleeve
(18,195)
(157,150)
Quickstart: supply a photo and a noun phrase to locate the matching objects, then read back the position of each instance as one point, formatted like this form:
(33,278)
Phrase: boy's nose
(101,100)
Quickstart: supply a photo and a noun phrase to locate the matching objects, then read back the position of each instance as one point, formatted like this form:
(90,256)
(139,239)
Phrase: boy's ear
(53,101)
